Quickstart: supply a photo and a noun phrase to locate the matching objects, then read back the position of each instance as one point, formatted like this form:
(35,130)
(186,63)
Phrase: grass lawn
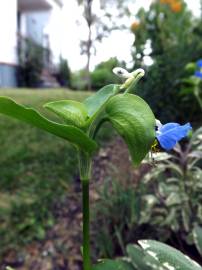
(35,169)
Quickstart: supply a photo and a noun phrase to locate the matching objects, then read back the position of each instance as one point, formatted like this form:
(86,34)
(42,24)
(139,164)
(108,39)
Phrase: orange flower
(176,7)
(170,2)
(164,1)
(134,26)
(173,2)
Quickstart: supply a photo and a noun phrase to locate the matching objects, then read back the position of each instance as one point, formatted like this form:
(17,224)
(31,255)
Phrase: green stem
(199,100)
(85,162)
(131,87)
(105,119)
(86,226)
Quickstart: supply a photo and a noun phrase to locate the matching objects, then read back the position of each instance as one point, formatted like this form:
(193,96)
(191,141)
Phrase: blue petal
(199,63)
(169,138)
(198,74)
(166,142)
(168,126)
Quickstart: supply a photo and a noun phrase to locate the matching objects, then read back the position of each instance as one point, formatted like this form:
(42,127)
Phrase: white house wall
(33,24)
(38,25)
(23,25)
(54,31)
(8,43)
(8,31)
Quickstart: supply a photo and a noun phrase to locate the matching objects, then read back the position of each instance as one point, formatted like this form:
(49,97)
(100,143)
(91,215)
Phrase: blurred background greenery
(39,172)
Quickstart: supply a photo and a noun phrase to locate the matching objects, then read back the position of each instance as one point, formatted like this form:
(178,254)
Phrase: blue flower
(169,134)
(199,63)
(198,74)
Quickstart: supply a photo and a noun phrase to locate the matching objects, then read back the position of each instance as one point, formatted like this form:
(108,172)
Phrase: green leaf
(97,101)
(197,235)
(186,214)
(113,265)
(137,255)
(134,121)
(72,112)
(171,219)
(190,81)
(125,264)
(191,67)
(141,260)
(186,91)
(173,199)
(106,265)
(29,115)
(199,209)
(169,257)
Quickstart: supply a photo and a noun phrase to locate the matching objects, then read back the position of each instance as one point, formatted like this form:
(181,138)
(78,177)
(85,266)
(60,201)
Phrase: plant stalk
(86,226)
(85,174)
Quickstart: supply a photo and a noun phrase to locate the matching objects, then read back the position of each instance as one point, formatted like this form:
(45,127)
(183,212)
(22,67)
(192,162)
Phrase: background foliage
(64,73)
(30,63)
(165,204)
(173,39)
(102,74)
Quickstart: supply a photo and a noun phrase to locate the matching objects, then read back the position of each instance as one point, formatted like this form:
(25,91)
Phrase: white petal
(158,124)
(138,71)
(122,73)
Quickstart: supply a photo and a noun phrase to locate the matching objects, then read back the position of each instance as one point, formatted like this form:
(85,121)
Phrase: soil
(60,250)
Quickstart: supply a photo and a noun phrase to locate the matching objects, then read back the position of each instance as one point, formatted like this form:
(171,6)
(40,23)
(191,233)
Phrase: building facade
(36,20)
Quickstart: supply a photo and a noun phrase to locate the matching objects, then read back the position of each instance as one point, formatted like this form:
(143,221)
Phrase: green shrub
(64,73)
(79,81)
(164,205)
(172,198)
(116,216)
(171,48)
(103,75)
(30,64)
(191,86)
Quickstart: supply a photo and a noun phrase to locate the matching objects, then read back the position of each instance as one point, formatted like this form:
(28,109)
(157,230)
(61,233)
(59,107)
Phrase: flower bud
(121,72)
(134,26)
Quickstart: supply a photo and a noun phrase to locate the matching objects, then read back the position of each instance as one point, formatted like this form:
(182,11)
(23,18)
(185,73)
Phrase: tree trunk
(89,44)
(89,20)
